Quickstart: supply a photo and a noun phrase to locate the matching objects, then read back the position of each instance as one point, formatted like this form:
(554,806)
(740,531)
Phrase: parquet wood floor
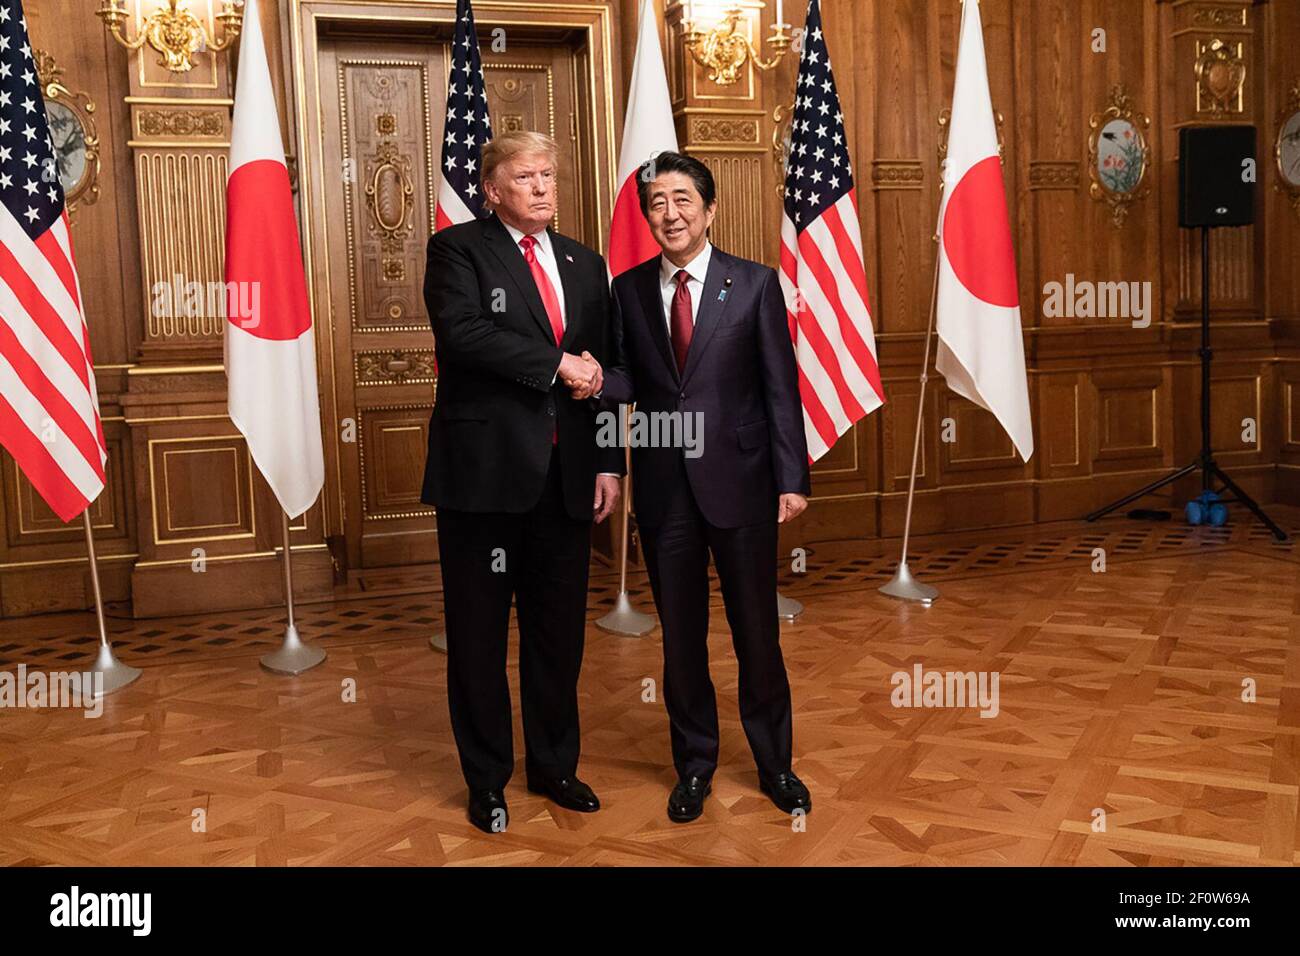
(1119,692)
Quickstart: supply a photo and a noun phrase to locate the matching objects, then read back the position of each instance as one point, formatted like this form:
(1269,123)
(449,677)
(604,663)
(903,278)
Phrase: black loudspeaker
(1212,176)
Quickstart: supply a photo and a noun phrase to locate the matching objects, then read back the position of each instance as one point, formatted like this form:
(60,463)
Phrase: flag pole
(114,674)
(625,619)
(902,585)
(293,656)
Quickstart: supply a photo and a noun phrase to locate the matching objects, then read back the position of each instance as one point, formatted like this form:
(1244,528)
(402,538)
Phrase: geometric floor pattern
(1148,715)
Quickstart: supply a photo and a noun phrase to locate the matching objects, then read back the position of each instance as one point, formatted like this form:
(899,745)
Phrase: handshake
(581,374)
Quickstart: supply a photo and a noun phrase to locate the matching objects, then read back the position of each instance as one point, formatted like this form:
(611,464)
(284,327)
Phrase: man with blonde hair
(521,319)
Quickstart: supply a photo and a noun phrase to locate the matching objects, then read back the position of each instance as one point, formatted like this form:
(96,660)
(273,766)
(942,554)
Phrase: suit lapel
(567,267)
(710,310)
(652,304)
(496,238)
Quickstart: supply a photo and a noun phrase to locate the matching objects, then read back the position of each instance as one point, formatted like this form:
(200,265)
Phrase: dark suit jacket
(740,373)
(496,409)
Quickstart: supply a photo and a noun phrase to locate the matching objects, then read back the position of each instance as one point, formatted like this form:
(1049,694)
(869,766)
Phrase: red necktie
(549,298)
(680,325)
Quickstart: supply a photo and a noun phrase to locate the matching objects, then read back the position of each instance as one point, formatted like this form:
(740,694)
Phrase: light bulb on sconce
(725,48)
(174,31)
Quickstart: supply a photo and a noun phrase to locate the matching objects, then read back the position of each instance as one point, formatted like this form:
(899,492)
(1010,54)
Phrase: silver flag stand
(787,609)
(114,675)
(293,656)
(902,585)
(625,619)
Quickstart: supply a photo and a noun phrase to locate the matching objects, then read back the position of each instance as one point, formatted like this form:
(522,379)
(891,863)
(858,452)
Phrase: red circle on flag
(266,285)
(977,235)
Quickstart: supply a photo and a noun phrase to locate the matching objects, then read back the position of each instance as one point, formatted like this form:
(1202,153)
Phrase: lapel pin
(568,257)
(722,295)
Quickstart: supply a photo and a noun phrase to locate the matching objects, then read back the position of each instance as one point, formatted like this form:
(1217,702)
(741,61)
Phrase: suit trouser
(677,558)
(542,562)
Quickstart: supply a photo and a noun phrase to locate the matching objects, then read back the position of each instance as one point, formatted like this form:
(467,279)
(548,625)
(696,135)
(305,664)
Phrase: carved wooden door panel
(382,104)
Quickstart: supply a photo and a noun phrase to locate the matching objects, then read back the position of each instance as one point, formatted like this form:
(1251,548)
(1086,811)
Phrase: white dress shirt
(697,269)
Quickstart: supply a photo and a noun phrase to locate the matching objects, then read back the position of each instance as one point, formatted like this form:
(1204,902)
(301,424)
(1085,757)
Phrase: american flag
(460,198)
(822,275)
(49,412)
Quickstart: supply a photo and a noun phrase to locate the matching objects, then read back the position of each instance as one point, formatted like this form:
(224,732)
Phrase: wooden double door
(381,101)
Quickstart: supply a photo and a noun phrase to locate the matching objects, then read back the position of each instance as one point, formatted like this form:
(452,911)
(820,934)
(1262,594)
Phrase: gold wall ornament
(390,197)
(174,32)
(1220,77)
(395,367)
(71,118)
(1118,155)
(725,48)
(1286,148)
(782,135)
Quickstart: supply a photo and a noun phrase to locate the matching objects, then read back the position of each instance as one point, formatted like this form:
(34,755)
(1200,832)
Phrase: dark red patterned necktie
(680,325)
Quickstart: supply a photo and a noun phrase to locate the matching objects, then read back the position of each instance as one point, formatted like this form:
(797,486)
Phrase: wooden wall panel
(1108,399)
(1114,406)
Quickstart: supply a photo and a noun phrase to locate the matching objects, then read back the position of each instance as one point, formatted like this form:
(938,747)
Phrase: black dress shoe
(787,792)
(569,792)
(487,810)
(686,802)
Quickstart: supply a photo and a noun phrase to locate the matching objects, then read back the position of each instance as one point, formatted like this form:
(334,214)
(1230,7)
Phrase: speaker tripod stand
(1209,468)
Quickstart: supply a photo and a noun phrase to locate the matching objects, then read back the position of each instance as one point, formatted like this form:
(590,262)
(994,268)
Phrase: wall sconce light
(723,50)
(174,31)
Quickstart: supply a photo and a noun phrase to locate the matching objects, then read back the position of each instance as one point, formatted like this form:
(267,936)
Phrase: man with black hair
(703,333)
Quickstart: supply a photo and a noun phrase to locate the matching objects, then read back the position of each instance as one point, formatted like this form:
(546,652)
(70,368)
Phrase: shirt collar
(697,268)
(543,237)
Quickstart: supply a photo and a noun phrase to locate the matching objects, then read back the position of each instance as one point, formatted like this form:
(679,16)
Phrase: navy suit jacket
(740,374)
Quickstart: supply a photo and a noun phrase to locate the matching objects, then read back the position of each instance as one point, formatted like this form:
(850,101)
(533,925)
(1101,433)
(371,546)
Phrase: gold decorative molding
(1119,178)
(196,123)
(723,131)
(1219,16)
(897,174)
(782,116)
(182,203)
(1054,174)
(1220,78)
(71,118)
(395,367)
